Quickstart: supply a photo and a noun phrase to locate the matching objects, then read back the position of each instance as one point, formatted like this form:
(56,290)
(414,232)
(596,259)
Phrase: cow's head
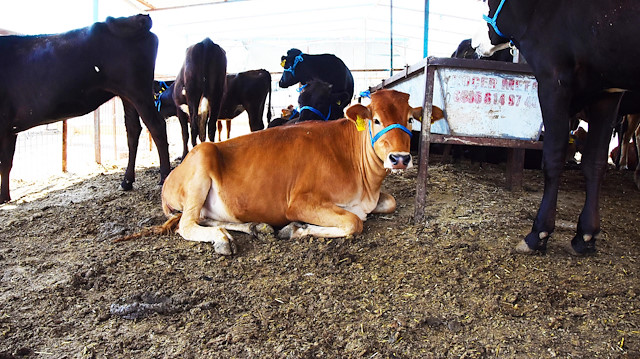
(385,121)
(290,63)
(315,101)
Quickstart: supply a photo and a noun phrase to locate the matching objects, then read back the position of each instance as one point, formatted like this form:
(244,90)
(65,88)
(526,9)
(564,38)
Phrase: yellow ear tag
(283,62)
(360,123)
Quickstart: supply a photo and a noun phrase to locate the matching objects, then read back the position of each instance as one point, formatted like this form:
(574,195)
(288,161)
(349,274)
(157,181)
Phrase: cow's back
(45,78)
(260,170)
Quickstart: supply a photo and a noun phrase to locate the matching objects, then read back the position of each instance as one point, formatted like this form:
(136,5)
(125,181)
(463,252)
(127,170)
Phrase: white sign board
(485,103)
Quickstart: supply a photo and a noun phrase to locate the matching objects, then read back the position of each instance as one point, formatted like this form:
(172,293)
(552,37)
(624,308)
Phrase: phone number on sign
(493,98)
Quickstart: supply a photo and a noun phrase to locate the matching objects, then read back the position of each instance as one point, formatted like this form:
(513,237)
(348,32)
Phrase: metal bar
(391,37)
(485,141)
(425,140)
(96,135)
(64,146)
(425,47)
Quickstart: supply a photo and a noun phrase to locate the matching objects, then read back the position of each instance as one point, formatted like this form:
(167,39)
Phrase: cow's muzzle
(399,161)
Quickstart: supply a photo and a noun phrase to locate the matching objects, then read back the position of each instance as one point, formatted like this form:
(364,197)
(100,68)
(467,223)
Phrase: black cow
(466,50)
(47,78)
(200,86)
(299,67)
(246,91)
(582,54)
(315,102)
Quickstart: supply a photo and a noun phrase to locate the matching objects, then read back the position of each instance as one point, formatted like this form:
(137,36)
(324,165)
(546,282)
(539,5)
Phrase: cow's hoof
(224,244)
(126,185)
(261,230)
(291,230)
(539,244)
(581,245)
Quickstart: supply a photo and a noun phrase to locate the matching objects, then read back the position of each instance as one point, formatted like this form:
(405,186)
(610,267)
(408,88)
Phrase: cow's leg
(636,175)
(228,123)
(386,204)
(7,150)
(184,125)
(324,220)
(189,227)
(602,115)
(255,117)
(133,127)
(255,229)
(219,130)
(623,144)
(554,102)
(157,128)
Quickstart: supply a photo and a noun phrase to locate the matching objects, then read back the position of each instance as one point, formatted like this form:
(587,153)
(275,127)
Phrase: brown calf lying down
(314,178)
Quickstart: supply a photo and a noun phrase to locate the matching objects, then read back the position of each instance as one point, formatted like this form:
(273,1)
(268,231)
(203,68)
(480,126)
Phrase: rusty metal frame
(516,148)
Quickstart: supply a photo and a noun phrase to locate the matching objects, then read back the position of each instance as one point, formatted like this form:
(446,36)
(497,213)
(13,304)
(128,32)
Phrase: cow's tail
(168,227)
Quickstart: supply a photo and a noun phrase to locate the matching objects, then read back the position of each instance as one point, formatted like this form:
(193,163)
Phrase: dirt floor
(451,288)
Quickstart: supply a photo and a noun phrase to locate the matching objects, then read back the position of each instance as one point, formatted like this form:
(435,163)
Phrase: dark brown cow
(246,91)
(198,90)
(48,78)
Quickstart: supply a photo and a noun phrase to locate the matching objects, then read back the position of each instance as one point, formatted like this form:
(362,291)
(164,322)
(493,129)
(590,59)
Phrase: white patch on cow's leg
(254,229)
(386,204)
(204,106)
(297,230)
(184,108)
(221,239)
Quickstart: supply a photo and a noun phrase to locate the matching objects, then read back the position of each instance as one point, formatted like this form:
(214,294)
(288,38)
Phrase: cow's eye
(376,121)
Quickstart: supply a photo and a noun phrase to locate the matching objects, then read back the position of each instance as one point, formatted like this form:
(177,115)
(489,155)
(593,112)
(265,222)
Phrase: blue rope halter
(317,112)
(385,130)
(492,21)
(292,68)
(157,99)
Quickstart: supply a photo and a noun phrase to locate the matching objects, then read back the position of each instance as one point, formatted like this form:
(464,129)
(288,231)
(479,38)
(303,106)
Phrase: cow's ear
(358,110)
(436,114)
(359,114)
(416,113)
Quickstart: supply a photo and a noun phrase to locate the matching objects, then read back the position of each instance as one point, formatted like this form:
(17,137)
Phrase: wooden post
(64,146)
(113,118)
(515,168)
(96,135)
(425,140)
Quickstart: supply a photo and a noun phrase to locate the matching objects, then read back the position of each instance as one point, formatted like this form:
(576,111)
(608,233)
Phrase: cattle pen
(98,140)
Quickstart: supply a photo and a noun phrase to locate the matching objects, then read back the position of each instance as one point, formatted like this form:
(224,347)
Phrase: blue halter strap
(315,110)
(292,68)
(385,130)
(157,99)
(492,20)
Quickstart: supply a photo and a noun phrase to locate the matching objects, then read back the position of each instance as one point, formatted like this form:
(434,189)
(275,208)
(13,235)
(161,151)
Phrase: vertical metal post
(64,146)
(425,140)
(96,113)
(391,36)
(425,48)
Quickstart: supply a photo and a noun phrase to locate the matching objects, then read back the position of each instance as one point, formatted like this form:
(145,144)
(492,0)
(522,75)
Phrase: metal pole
(96,113)
(64,146)
(391,36)
(425,48)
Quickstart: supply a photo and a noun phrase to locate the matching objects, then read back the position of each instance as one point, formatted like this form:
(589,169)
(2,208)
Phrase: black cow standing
(302,68)
(583,53)
(246,91)
(200,85)
(48,78)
